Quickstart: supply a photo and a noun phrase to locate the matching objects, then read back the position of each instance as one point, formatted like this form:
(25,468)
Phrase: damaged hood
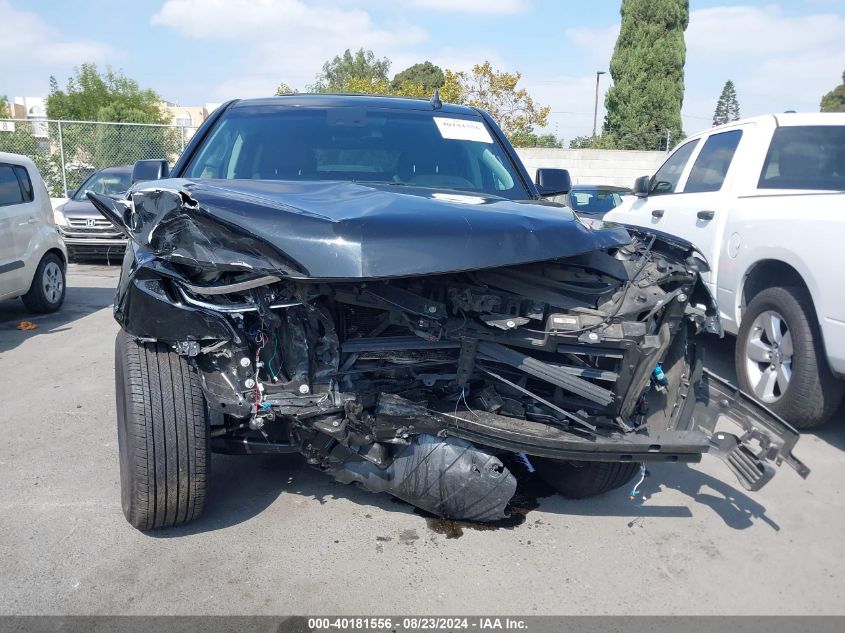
(342,230)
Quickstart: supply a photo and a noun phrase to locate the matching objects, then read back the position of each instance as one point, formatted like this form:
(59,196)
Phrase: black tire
(813,393)
(47,291)
(162,434)
(579,480)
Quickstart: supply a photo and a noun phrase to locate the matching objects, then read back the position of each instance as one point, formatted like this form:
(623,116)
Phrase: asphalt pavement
(279,538)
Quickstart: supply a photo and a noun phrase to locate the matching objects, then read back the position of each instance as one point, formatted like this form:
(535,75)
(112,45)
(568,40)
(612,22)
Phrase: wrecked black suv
(377,284)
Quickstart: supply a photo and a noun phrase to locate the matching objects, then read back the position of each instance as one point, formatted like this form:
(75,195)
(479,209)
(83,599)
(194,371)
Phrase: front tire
(162,433)
(579,480)
(47,292)
(780,360)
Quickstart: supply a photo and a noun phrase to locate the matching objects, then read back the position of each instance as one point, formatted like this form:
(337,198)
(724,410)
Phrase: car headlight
(59,217)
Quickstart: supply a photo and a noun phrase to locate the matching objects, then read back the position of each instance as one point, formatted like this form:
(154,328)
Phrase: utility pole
(599,73)
(62,158)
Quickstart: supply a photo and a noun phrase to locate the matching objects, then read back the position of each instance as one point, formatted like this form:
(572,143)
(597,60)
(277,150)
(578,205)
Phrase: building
(187,116)
(33,109)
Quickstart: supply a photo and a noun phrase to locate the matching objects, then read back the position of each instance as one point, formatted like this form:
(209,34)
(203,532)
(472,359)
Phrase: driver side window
(667,177)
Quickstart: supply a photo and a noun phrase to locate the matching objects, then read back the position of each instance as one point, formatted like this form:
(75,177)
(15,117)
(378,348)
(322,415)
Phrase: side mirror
(553,182)
(642,186)
(150,170)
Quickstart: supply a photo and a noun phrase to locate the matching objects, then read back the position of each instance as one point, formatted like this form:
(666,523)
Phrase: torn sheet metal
(172,225)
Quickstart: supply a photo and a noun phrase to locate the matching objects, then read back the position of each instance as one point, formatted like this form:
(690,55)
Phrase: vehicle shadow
(80,301)
(719,356)
(833,431)
(734,507)
(242,487)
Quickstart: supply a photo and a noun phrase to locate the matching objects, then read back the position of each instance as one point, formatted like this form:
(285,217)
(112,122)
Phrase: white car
(762,199)
(33,258)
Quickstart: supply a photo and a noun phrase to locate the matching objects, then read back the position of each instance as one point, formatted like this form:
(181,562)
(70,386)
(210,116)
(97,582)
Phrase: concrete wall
(594,166)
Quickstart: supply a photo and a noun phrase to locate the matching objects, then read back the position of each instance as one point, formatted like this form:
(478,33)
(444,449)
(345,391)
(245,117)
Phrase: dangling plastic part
(635,491)
(659,377)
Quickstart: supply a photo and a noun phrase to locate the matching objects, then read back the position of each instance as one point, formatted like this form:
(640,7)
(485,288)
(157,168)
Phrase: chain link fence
(67,152)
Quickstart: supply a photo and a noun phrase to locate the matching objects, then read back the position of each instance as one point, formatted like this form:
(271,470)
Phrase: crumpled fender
(172,225)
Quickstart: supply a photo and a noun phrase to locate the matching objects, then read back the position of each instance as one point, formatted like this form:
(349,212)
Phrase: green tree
(644,103)
(581,142)
(483,87)
(358,85)
(727,107)
(89,90)
(424,74)
(497,93)
(109,96)
(363,73)
(284,89)
(125,144)
(527,138)
(362,66)
(5,112)
(834,101)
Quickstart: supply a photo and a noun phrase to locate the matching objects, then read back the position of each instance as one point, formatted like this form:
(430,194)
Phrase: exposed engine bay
(386,382)
(410,312)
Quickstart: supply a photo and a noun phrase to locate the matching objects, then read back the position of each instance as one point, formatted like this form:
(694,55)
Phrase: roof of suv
(348,100)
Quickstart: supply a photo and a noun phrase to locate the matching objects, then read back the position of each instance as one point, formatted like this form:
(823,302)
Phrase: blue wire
(275,353)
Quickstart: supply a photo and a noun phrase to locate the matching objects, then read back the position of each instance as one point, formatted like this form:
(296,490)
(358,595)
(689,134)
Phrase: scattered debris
(407,537)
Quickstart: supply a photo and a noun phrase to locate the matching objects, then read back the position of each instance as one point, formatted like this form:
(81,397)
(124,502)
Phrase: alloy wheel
(768,356)
(52,282)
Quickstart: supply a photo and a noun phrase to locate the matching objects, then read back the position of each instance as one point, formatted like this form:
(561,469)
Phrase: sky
(782,55)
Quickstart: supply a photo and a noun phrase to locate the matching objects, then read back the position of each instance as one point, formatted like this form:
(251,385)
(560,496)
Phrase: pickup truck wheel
(162,434)
(47,292)
(780,361)
(579,480)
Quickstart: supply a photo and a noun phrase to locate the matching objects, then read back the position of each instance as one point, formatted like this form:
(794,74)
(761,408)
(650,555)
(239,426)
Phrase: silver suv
(86,233)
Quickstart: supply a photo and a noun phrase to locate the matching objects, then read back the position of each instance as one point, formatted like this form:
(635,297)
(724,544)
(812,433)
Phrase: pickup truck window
(667,177)
(805,157)
(710,168)
(415,148)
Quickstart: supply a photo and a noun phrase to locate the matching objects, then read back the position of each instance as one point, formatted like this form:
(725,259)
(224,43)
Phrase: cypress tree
(644,103)
(727,107)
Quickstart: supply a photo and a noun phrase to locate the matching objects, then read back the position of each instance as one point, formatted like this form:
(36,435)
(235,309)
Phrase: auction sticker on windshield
(463,130)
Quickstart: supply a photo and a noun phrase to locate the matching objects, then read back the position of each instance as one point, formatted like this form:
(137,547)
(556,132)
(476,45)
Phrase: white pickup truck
(762,199)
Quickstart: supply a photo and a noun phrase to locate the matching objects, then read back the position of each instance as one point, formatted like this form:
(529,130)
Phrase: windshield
(107,183)
(594,200)
(398,147)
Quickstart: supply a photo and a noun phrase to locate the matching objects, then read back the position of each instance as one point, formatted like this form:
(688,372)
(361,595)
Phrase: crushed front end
(419,386)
